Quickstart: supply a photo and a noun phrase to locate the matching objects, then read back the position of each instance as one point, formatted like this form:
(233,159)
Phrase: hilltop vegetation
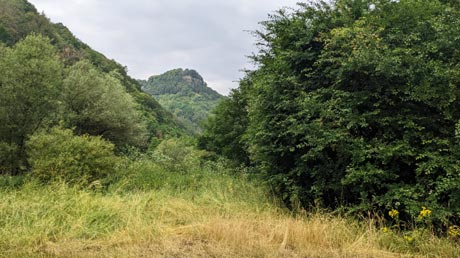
(185,94)
(181,82)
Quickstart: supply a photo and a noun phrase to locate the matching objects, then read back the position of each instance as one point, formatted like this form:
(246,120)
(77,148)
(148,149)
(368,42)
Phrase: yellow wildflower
(385,230)
(454,231)
(409,239)
(393,213)
(424,213)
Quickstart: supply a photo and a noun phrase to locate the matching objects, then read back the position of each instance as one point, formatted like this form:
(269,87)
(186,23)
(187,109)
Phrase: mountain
(184,93)
(19,18)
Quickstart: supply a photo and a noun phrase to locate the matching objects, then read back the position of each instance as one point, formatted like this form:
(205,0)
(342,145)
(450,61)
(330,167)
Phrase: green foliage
(190,110)
(4,36)
(16,16)
(181,82)
(356,106)
(185,94)
(8,157)
(224,130)
(33,94)
(11,182)
(97,104)
(19,18)
(177,155)
(61,155)
(403,97)
(146,173)
(30,82)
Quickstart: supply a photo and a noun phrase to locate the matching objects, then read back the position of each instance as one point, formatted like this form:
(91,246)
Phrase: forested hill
(185,94)
(179,81)
(19,18)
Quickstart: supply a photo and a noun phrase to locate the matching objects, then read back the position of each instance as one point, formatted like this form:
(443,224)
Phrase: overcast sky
(153,36)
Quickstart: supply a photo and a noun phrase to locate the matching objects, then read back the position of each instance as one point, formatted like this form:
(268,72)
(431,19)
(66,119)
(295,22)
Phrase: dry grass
(230,218)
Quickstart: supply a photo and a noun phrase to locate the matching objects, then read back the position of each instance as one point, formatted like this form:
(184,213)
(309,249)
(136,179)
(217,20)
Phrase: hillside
(343,142)
(19,18)
(185,94)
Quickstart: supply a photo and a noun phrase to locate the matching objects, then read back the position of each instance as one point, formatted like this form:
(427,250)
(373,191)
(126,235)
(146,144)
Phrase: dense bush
(61,155)
(356,103)
(177,155)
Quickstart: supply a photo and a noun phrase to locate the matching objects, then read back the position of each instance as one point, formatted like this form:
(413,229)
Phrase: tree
(359,107)
(399,69)
(97,104)
(30,82)
(225,129)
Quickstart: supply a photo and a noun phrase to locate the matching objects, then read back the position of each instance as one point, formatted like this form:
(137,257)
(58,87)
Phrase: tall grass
(207,212)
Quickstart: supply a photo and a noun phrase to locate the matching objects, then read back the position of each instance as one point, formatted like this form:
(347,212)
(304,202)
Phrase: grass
(202,213)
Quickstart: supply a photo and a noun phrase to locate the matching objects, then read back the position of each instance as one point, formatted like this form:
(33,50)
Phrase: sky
(151,37)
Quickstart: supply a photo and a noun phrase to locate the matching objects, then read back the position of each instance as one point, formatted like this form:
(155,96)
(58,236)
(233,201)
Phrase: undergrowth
(210,210)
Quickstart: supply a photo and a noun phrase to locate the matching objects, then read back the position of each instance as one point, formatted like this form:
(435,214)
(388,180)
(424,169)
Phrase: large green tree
(356,103)
(97,104)
(30,84)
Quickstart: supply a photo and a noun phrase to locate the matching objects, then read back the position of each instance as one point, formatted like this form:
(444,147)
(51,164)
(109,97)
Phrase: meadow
(207,211)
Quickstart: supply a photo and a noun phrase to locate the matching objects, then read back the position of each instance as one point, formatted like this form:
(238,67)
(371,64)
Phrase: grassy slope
(199,214)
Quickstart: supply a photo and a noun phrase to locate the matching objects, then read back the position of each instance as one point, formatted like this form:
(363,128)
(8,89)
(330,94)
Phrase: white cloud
(151,37)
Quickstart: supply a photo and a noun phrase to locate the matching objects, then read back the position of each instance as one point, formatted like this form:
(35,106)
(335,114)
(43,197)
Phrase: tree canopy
(97,104)
(19,18)
(38,92)
(356,104)
(30,83)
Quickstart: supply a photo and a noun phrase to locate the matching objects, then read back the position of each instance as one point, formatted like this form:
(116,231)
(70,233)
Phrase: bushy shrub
(354,104)
(177,155)
(61,155)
